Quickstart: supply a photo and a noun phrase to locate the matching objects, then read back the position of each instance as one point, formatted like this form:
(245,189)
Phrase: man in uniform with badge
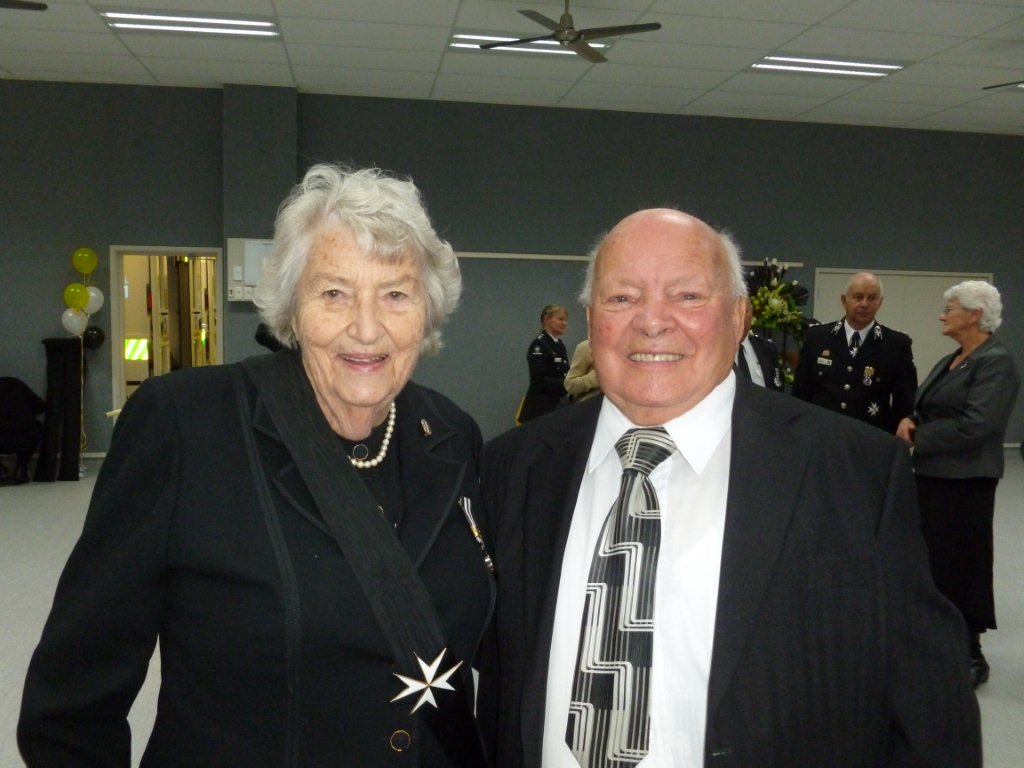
(857,366)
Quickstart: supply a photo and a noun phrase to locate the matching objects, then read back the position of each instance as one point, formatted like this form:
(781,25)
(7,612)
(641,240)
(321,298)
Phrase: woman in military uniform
(549,363)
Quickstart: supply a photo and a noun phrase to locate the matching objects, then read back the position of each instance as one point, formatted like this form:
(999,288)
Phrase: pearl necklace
(368,464)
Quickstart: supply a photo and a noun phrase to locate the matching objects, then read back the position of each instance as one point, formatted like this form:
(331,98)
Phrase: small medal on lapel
(431,681)
(425,426)
(869,371)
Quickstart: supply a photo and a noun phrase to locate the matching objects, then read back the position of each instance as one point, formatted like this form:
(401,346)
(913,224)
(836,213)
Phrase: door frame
(117,254)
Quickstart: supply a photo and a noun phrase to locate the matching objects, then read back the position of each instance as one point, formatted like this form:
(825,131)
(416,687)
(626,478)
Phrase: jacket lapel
(552,484)
(430,481)
(951,376)
(755,526)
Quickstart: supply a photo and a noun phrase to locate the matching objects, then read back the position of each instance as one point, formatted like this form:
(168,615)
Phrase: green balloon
(76,296)
(84,260)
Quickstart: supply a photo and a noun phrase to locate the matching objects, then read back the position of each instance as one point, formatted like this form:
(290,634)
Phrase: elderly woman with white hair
(296,530)
(957,431)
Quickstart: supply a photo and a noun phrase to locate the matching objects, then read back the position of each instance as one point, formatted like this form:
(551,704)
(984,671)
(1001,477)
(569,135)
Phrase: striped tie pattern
(609,722)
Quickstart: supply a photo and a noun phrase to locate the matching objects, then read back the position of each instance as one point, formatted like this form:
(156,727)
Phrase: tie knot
(855,340)
(643,449)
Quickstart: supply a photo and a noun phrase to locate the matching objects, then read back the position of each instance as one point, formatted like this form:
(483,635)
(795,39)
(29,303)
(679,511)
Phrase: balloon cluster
(83,300)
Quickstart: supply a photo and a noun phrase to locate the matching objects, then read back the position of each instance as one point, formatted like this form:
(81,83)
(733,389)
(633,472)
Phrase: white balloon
(74,321)
(95,301)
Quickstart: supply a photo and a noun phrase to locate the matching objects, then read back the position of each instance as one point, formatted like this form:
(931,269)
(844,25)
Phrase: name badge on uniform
(824,361)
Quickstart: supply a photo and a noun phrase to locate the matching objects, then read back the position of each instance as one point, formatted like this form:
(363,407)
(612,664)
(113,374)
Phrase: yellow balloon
(76,296)
(84,260)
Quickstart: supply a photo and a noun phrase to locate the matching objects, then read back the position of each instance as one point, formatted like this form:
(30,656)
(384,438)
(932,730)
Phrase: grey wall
(95,165)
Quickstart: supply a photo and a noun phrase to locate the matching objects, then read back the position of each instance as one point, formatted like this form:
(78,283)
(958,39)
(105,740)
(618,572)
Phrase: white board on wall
(912,304)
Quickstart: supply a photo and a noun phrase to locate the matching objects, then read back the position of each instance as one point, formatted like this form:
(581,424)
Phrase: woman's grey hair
(730,249)
(977,294)
(389,221)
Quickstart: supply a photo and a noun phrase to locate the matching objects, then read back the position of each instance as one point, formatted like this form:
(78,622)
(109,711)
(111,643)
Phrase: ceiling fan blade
(590,54)
(543,20)
(522,41)
(22,5)
(1002,85)
(596,33)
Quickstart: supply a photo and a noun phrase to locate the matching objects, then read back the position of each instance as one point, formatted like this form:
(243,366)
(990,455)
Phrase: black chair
(20,429)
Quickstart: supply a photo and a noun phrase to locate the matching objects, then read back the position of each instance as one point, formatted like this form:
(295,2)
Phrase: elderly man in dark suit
(759,593)
(857,366)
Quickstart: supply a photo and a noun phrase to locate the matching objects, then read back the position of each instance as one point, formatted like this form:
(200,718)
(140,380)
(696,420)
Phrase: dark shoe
(979,671)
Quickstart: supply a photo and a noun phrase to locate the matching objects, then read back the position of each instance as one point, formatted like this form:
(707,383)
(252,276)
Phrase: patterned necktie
(608,721)
(854,343)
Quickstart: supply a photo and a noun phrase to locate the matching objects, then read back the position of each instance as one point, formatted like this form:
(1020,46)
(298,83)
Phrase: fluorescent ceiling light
(818,70)
(514,49)
(822,66)
(537,46)
(169,22)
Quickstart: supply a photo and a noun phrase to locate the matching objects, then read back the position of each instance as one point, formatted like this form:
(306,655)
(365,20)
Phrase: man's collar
(696,433)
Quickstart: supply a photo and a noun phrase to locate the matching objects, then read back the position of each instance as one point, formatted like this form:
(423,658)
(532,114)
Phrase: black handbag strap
(401,604)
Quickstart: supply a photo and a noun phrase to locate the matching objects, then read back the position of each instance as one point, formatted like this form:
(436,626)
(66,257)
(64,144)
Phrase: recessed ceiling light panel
(168,21)
(822,65)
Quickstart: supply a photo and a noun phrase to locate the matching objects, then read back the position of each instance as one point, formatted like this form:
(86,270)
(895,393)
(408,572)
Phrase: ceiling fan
(1002,85)
(22,5)
(576,39)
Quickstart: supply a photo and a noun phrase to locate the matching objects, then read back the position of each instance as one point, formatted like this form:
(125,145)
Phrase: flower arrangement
(776,302)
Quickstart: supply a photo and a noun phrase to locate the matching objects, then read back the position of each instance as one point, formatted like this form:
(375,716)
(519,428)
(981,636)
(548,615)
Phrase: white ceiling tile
(502,63)
(692,56)
(798,11)
(1005,117)
(427,12)
(203,49)
(872,109)
(759,102)
(216,72)
(672,77)
(366,58)
(704,30)
(901,46)
(896,91)
(82,63)
(929,17)
(58,40)
(500,85)
(954,76)
(363,34)
(781,83)
(700,57)
(346,78)
(646,94)
(982,52)
(486,98)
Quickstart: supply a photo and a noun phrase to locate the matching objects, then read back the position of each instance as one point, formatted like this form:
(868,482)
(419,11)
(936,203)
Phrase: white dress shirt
(692,487)
(850,330)
(747,350)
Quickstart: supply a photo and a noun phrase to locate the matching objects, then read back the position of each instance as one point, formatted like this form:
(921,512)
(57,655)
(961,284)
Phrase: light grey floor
(39,523)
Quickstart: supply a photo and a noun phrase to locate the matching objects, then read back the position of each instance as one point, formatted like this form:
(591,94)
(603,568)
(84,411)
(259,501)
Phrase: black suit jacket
(767,355)
(876,385)
(832,647)
(201,533)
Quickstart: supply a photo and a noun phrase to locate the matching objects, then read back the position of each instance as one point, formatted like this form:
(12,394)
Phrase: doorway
(166,313)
